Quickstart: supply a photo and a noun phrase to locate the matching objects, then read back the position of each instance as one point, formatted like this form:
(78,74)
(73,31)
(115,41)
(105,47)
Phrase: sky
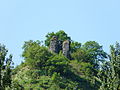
(83,20)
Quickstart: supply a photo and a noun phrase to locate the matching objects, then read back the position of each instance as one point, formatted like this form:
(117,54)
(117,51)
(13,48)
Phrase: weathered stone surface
(57,45)
(54,44)
(66,48)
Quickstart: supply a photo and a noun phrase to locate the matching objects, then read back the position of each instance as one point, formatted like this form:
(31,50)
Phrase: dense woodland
(88,68)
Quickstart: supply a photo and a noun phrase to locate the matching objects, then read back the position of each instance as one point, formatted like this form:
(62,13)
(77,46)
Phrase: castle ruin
(56,46)
(66,48)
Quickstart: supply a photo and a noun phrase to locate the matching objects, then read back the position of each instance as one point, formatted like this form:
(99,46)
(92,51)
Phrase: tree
(80,55)
(5,68)
(75,46)
(95,53)
(62,36)
(35,53)
(110,73)
(91,52)
(43,69)
(58,63)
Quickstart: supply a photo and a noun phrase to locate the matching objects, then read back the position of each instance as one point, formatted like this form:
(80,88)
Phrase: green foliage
(91,52)
(75,46)
(35,55)
(5,68)
(86,72)
(62,36)
(58,64)
(110,73)
(95,51)
(80,55)
(86,69)
(44,70)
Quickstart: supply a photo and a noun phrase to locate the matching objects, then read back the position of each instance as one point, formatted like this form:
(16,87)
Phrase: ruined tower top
(66,48)
(54,44)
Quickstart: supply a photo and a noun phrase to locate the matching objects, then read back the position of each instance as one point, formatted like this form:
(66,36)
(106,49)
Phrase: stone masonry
(57,45)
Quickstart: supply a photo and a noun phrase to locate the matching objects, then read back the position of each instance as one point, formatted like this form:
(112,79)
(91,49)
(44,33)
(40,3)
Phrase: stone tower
(66,48)
(54,44)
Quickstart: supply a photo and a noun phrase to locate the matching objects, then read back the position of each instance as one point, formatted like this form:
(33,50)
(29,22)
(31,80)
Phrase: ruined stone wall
(66,48)
(54,45)
(57,45)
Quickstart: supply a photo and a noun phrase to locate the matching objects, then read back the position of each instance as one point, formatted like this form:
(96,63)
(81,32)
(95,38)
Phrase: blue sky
(83,20)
